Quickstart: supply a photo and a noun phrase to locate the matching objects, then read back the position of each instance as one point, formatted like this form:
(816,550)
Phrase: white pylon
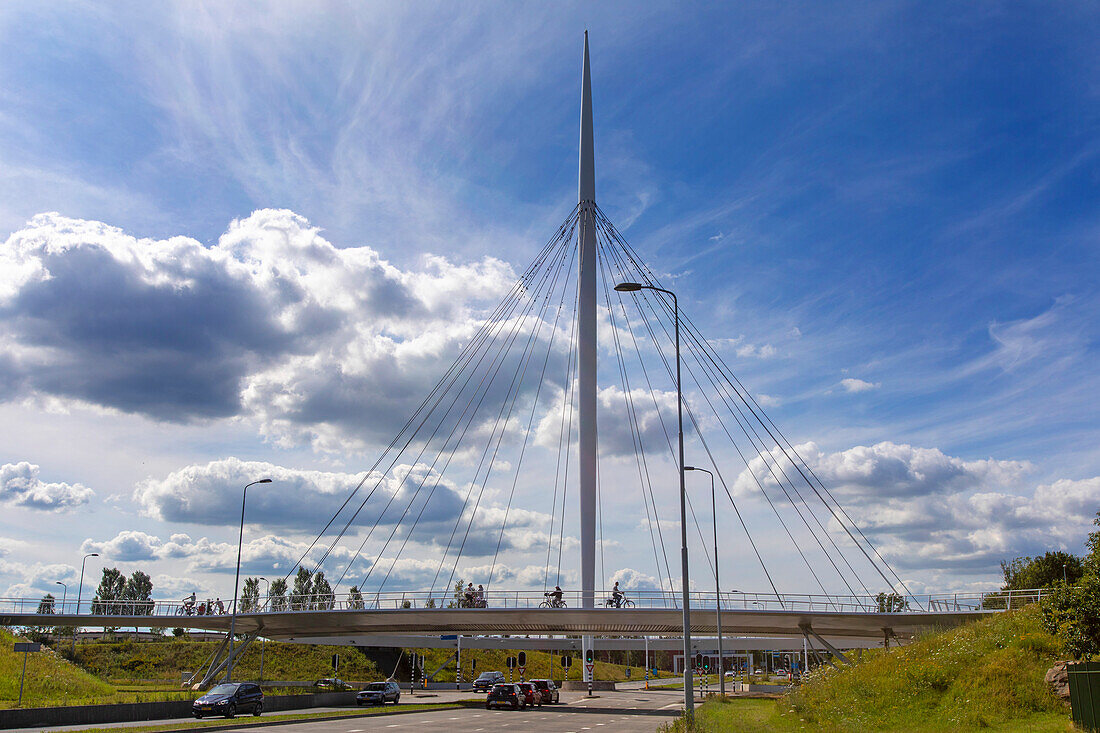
(586,345)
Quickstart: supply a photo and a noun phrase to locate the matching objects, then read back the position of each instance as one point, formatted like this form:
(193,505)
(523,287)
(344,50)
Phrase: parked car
(331,683)
(531,694)
(549,690)
(486,680)
(228,699)
(379,693)
(506,694)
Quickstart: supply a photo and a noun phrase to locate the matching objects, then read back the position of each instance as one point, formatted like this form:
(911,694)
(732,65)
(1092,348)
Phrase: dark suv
(486,680)
(548,689)
(379,693)
(506,694)
(228,699)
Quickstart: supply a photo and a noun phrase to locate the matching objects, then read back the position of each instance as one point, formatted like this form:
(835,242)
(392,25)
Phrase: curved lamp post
(717,590)
(237,581)
(79,592)
(689,692)
(64,593)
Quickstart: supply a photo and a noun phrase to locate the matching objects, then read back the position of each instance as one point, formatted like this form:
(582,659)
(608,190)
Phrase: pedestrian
(221,607)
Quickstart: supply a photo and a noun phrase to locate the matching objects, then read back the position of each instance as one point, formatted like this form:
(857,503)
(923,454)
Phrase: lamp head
(92,554)
(628,287)
(264,481)
(689,468)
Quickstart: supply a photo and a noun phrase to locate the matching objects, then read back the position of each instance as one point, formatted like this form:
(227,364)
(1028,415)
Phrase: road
(630,710)
(612,711)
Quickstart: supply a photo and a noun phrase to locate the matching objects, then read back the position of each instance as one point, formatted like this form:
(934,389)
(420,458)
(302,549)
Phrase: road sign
(567,662)
(26,647)
(335,662)
(589,666)
(522,670)
(449,637)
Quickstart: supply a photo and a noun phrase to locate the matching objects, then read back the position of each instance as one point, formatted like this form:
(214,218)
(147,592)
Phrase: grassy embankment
(538,665)
(985,675)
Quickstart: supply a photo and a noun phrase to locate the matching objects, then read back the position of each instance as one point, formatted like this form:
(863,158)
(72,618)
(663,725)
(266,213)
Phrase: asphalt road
(612,711)
(630,710)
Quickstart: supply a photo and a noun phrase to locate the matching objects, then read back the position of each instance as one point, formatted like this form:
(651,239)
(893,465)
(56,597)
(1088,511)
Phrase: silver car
(379,693)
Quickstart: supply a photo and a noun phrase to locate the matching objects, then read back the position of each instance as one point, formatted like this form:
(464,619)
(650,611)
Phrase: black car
(486,680)
(378,693)
(548,689)
(506,694)
(228,699)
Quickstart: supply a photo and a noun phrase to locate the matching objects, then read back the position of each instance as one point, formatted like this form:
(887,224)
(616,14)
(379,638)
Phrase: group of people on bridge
(210,608)
(617,600)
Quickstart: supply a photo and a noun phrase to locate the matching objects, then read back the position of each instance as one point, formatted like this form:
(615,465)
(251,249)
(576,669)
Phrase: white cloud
(20,486)
(858,385)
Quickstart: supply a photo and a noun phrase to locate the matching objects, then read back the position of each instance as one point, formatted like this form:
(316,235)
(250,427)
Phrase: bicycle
(552,602)
(623,602)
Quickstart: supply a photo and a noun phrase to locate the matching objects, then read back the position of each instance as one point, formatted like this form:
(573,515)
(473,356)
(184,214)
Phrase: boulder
(1058,679)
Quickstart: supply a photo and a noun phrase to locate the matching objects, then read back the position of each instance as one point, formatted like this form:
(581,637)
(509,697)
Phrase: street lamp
(64,593)
(717,590)
(79,592)
(689,693)
(263,639)
(237,581)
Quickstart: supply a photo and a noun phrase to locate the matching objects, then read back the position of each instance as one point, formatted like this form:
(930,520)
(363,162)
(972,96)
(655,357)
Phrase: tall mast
(586,341)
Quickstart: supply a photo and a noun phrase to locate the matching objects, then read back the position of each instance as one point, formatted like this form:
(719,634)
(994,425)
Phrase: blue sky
(886,212)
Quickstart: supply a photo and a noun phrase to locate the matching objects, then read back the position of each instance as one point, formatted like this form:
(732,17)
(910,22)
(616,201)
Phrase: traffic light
(706,663)
(566,662)
(523,659)
(698,661)
(589,656)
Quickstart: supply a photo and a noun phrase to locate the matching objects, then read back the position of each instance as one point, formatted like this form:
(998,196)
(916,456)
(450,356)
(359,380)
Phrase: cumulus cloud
(272,320)
(858,385)
(20,486)
(931,510)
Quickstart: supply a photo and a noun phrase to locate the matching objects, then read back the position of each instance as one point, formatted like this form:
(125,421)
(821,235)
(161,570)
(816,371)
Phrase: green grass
(49,678)
(987,675)
(165,660)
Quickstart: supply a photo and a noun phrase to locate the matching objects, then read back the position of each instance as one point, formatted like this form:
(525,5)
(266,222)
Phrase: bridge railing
(527,599)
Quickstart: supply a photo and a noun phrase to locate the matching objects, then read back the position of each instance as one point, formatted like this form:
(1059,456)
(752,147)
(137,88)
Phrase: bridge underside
(332,624)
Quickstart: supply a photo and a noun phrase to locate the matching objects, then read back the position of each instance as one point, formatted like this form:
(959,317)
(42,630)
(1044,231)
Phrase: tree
(323,597)
(1072,612)
(110,591)
(1042,571)
(250,595)
(355,597)
(303,589)
(138,592)
(459,595)
(46,604)
(277,595)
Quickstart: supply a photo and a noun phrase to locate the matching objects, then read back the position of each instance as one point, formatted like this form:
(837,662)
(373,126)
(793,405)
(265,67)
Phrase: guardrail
(734,600)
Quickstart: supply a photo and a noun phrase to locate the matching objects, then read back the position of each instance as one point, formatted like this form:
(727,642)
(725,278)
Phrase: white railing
(396,600)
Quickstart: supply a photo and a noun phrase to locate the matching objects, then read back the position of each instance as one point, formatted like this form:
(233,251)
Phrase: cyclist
(555,596)
(469,594)
(617,595)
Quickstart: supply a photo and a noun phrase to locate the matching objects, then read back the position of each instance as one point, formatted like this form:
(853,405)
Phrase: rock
(1058,679)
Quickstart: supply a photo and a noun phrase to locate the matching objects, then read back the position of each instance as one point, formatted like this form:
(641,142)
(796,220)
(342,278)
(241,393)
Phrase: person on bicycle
(480,597)
(469,594)
(555,595)
(617,595)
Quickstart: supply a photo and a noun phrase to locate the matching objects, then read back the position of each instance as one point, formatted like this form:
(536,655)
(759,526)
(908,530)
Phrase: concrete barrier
(137,711)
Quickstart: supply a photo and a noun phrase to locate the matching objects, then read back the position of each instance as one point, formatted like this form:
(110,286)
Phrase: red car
(531,693)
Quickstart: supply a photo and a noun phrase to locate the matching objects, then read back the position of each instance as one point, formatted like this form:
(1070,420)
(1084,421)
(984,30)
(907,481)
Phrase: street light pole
(717,590)
(64,593)
(263,639)
(79,592)
(237,581)
(689,692)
